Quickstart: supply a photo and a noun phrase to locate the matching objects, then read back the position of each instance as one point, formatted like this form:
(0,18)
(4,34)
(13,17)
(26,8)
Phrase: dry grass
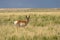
(31,31)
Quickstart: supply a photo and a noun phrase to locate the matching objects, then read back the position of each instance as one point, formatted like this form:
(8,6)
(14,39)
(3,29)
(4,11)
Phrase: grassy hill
(29,9)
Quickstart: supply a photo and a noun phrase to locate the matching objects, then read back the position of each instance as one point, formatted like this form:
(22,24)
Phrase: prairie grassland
(42,26)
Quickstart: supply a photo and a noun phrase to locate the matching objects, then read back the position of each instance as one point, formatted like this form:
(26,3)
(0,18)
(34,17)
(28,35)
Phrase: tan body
(22,23)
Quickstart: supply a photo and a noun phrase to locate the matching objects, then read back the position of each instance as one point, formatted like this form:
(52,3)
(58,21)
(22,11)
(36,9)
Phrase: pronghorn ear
(26,16)
(29,16)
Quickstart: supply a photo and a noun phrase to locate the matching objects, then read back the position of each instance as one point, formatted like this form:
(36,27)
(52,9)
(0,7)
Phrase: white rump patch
(15,22)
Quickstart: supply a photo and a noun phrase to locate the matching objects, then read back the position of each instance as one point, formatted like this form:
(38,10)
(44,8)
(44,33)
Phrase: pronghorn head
(27,17)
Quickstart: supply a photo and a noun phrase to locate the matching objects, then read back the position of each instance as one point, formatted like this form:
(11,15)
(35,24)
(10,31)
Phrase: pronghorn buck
(22,23)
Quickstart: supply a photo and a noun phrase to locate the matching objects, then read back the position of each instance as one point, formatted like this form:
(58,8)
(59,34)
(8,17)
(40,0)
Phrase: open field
(42,26)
